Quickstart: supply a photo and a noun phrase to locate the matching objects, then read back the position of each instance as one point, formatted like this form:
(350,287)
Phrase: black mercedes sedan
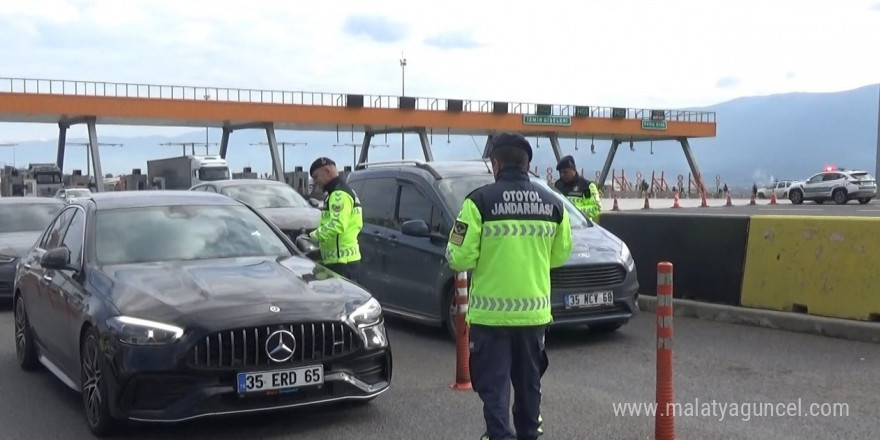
(164,306)
(22,220)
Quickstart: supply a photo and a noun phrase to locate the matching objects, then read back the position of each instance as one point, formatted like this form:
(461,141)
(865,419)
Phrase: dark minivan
(409,207)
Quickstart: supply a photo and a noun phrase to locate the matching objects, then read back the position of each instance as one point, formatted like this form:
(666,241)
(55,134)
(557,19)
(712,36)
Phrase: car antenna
(488,168)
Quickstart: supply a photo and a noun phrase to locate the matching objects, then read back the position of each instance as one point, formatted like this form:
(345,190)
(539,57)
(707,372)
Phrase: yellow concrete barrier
(826,266)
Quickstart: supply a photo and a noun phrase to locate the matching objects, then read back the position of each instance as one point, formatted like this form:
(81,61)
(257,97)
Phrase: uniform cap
(565,162)
(515,140)
(320,162)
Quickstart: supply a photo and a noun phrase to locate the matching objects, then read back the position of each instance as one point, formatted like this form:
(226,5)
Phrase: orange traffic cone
(729,202)
(772,197)
(647,205)
(675,204)
(615,207)
(752,201)
(704,203)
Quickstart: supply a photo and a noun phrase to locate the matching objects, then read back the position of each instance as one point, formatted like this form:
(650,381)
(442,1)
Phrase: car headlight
(136,331)
(367,318)
(367,314)
(7,259)
(626,256)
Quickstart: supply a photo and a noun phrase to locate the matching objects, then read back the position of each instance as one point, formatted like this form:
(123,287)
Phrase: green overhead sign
(546,120)
(651,124)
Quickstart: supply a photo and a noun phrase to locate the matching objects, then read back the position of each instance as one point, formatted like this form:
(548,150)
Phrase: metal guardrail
(225,94)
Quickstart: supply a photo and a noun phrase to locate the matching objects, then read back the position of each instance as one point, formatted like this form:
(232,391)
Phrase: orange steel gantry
(66,103)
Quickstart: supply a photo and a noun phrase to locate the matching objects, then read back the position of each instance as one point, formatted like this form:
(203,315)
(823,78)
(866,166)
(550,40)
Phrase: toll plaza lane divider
(806,274)
(708,251)
(825,266)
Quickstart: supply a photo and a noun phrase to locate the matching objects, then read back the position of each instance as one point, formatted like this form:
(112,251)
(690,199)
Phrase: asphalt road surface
(588,374)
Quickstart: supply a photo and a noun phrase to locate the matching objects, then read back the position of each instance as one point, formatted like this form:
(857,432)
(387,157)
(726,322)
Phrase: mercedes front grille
(319,341)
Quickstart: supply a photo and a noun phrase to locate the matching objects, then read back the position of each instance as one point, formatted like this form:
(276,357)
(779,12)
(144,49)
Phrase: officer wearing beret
(510,233)
(583,193)
(341,220)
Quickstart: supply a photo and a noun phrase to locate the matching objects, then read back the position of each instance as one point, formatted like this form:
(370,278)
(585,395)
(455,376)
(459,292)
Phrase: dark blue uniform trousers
(347,270)
(499,357)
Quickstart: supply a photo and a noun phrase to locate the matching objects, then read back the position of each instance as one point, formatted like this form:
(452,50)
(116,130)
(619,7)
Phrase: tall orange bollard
(615,208)
(462,344)
(773,197)
(704,203)
(675,202)
(664,422)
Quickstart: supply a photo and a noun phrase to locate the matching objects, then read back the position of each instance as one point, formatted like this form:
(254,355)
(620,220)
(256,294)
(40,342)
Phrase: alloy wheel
(91,387)
(21,336)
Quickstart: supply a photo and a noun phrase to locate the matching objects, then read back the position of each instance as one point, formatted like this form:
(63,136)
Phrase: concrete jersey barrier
(826,266)
(822,266)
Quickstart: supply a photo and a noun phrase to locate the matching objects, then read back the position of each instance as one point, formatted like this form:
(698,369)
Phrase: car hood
(292,218)
(230,293)
(17,244)
(594,245)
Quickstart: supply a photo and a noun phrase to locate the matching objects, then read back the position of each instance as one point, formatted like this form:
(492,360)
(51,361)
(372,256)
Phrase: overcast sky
(634,53)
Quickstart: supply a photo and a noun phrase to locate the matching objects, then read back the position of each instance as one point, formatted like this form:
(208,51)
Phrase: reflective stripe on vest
(339,253)
(521,230)
(492,304)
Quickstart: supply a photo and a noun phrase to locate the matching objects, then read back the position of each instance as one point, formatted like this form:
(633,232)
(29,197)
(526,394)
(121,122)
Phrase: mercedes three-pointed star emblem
(280,345)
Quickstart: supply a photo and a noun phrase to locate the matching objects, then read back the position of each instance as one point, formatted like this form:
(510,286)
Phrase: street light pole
(207,97)
(402,94)
(283,146)
(89,155)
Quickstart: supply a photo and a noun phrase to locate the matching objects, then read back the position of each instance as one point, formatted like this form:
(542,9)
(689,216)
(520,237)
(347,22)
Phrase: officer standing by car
(341,220)
(510,233)
(583,193)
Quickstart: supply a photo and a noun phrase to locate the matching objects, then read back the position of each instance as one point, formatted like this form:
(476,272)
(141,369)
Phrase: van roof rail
(391,163)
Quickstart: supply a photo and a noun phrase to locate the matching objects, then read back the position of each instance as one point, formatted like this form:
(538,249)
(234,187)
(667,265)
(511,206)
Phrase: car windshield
(172,233)
(72,193)
(270,195)
(48,178)
(455,189)
(213,173)
(19,217)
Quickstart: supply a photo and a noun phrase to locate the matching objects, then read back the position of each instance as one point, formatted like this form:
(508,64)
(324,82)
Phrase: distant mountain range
(788,136)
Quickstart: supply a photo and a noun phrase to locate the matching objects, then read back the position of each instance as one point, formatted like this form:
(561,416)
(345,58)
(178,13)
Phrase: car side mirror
(415,228)
(308,247)
(315,203)
(57,259)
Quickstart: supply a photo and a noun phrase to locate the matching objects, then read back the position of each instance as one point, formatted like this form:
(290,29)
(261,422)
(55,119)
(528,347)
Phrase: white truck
(184,172)
(43,179)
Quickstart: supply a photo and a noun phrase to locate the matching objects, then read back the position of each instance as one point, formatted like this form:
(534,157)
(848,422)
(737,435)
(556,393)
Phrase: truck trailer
(184,172)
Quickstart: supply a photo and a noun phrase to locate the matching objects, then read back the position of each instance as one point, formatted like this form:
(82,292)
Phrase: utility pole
(354,146)
(13,152)
(207,97)
(402,94)
(877,166)
(89,155)
(283,146)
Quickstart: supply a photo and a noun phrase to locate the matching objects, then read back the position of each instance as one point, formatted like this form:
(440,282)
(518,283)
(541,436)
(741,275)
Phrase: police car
(836,184)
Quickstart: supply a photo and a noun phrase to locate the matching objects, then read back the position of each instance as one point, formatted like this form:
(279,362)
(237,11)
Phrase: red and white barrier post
(462,341)
(664,422)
